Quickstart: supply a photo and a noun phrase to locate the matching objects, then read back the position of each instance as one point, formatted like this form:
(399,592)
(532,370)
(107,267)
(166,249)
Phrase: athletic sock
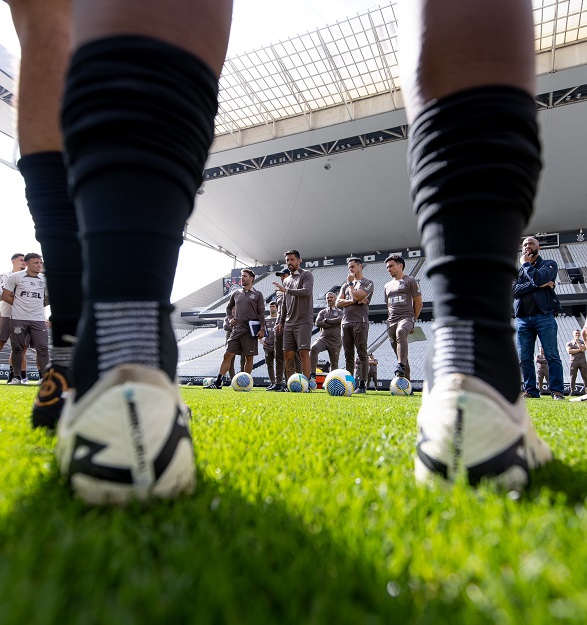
(474,165)
(219,380)
(56,230)
(138,119)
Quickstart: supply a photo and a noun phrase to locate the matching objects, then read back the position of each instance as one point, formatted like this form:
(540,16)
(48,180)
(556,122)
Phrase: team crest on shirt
(17,329)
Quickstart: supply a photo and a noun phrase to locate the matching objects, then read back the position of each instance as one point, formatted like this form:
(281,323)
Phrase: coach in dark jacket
(535,303)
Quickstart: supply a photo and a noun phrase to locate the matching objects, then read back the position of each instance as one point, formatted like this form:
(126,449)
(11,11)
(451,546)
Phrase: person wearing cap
(297,313)
(278,385)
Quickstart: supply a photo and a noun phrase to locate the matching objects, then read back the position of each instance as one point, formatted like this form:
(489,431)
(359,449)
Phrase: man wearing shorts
(297,313)
(404,303)
(245,305)
(26,291)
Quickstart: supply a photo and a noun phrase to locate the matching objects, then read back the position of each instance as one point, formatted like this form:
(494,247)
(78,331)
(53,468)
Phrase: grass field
(306,512)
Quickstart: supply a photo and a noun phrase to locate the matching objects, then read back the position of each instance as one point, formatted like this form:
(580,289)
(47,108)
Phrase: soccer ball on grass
(297,383)
(400,386)
(339,383)
(242,381)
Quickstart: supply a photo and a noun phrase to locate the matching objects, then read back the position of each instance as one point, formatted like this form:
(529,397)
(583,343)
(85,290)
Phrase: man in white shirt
(6,309)
(25,291)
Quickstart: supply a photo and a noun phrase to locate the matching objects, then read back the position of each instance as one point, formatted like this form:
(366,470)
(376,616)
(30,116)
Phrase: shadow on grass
(561,478)
(213,558)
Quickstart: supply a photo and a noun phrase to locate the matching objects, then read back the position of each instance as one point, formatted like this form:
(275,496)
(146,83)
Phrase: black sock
(219,380)
(10,373)
(474,166)
(138,119)
(56,230)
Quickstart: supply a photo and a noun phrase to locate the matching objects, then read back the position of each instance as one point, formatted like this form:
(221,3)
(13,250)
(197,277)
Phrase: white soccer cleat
(127,439)
(15,381)
(465,427)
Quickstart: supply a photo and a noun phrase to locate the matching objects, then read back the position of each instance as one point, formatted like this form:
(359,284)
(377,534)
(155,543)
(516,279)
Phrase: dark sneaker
(215,386)
(527,395)
(400,372)
(55,387)
(360,391)
(270,387)
(277,387)
(558,397)
(467,428)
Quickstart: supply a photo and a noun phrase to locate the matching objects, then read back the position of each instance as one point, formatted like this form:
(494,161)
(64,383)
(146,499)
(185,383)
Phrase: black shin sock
(138,119)
(474,165)
(56,230)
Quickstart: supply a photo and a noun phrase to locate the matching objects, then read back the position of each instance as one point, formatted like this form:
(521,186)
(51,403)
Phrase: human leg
(404,327)
(17,343)
(574,369)
(270,361)
(546,329)
(126,161)
(526,340)
(348,345)
(469,95)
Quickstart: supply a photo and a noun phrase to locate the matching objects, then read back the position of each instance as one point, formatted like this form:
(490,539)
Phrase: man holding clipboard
(246,314)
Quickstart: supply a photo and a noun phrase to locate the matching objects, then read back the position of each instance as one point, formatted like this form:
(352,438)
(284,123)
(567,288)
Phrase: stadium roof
(310,150)
(310,139)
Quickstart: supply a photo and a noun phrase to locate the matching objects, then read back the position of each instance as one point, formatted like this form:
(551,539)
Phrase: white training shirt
(29,295)
(5,307)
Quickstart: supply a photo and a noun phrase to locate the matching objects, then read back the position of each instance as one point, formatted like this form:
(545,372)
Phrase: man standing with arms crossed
(535,303)
(297,313)
(404,303)
(26,291)
(354,298)
(246,304)
(576,350)
(328,321)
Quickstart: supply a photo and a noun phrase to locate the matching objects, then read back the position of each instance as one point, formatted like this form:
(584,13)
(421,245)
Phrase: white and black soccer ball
(127,439)
(400,386)
(242,381)
(297,383)
(339,383)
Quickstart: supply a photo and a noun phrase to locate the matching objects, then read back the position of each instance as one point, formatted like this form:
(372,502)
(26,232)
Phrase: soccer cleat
(55,387)
(270,387)
(127,439)
(558,397)
(400,371)
(15,381)
(215,386)
(467,428)
(277,388)
(24,381)
(359,391)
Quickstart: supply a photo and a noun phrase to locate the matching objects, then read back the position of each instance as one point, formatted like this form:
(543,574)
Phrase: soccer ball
(339,383)
(297,383)
(242,381)
(312,384)
(400,386)
(207,382)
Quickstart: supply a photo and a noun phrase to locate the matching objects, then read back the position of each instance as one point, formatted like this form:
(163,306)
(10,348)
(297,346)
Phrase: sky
(255,23)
